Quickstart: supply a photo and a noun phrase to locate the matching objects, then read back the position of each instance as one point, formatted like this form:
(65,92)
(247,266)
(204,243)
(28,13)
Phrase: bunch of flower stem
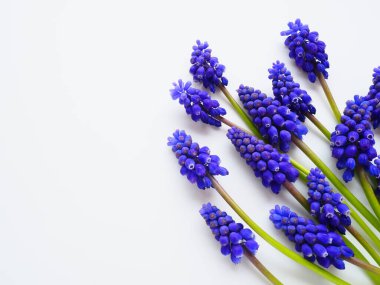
(243,141)
(302,200)
(372,251)
(363,176)
(320,164)
(273,242)
(200,166)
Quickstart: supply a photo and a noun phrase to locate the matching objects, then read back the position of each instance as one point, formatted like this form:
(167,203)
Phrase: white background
(89,192)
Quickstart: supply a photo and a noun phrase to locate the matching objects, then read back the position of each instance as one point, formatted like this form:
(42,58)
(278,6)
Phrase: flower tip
(233,237)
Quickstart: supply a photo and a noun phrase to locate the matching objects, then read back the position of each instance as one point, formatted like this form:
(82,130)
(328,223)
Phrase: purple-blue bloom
(306,49)
(289,92)
(198,103)
(352,142)
(377,163)
(233,237)
(272,167)
(275,122)
(205,68)
(374,94)
(326,205)
(196,162)
(315,242)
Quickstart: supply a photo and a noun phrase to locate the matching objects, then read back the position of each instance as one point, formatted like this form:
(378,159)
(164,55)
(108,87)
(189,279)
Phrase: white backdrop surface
(89,192)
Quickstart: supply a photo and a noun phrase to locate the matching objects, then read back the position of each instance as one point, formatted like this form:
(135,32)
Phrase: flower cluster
(198,104)
(205,68)
(315,242)
(306,49)
(233,237)
(377,163)
(374,93)
(196,162)
(267,163)
(275,122)
(289,92)
(326,205)
(352,142)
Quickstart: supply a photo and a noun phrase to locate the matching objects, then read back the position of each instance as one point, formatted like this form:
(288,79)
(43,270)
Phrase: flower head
(198,104)
(289,92)
(267,163)
(196,162)
(315,242)
(374,95)
(326,205)
(233,237)
(306,49)
(275,122)
(352,142)
(377,163)
(206,68)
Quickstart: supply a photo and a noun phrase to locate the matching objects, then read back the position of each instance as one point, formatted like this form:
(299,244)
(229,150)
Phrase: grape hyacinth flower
(198,103)
(233,237)
(315,242)
(206,68)
(326,205)
(272,167)
(275,122)
(196,162)
(352,142)
(306,49)
(374,93)
(377,163)
(289,92)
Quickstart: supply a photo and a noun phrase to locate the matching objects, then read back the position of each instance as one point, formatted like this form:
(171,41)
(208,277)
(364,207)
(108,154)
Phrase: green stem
(296,194)
(303,170)
(273,242)
(329,96)
(334,180)
(253,259)
(371,197)
(303,177)
(319,125)
(375,255)
(243,115)
(231,124)
(374,237)
(364,265)
(375,279)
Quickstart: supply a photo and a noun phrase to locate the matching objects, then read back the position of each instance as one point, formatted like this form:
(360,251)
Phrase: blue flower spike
(377,163)
(196,162)
(232,236)
(272,167)
(205,68)
(374,94)
(289,92)
(276,122)
(325,204)
(352,142)
(315,242)
(306,49)
(197,103)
